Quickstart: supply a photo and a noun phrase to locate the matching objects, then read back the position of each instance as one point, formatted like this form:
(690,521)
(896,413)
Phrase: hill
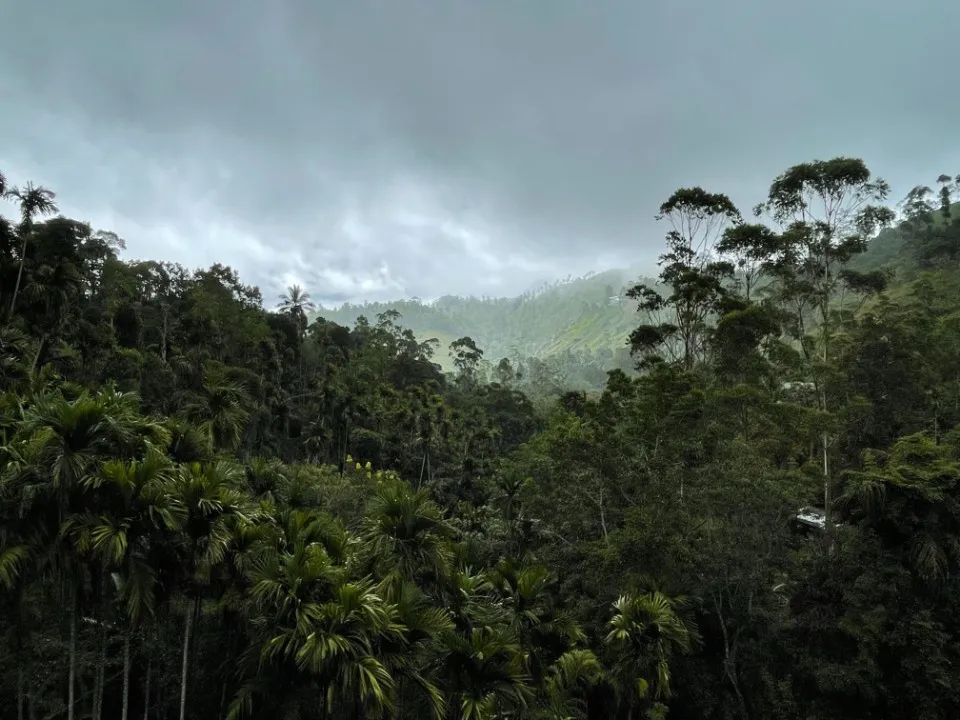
(584,320)
(892,247)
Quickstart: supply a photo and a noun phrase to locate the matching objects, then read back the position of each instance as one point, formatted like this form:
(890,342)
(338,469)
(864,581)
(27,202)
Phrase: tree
(138,515)
(407,539)
(33,200)
(466,358)
(296,302)
(209,496)
(220,409)
(646,631)
(694,276)
(828,211)
(59,444)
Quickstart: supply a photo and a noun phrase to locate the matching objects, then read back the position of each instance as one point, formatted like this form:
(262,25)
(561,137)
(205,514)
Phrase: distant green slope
(575,316)
(891,246)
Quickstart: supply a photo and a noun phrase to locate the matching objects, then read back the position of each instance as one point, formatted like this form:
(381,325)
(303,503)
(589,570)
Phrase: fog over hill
(584,315)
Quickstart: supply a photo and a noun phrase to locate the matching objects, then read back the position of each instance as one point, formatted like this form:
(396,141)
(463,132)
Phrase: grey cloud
(418,147)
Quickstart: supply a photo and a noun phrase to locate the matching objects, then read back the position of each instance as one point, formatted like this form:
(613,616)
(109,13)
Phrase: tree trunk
(38,353)
(101,672)
(20,690)
(126,675)
(146,692)
(826,483)
(16,288)
(71,693)
(825,440)
(163,337)
(188,627)
(729,660)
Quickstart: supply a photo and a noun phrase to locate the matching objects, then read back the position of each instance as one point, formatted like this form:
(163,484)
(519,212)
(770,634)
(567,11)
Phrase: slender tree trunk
(603,516)
(146,691)
(126,675)
(20,691)
(824,438)
(101,672)
(38,353)
(163,337)
(729,660)
(398,709)
(825,441)
(71,682)
(16,288)
(188,628)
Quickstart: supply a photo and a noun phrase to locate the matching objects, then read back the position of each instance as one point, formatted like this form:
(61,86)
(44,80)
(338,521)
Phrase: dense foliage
(210,509)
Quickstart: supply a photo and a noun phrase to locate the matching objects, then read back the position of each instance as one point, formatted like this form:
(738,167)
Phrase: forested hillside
(569,332)
(209,509)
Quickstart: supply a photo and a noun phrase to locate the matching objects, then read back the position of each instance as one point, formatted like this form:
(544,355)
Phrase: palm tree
(543,631)
(574,671)
(15,555)
(16,347)
(137,513)
(410,661)
(340,648)
(188,443)
(59,444)
(315,629)
(296,302)
(210,497)
(645,632)
(407,538)
(33,200)
(484,671)
(221,410)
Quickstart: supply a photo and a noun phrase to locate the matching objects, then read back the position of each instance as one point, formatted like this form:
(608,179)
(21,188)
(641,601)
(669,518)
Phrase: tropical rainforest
(216,505)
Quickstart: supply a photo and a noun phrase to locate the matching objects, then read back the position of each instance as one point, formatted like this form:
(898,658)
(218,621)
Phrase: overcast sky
(372,150)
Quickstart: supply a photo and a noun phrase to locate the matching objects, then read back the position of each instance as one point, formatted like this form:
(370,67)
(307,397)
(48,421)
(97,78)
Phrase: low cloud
(374,149)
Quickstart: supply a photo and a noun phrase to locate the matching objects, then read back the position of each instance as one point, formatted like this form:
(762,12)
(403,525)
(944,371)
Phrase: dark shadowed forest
(219,505)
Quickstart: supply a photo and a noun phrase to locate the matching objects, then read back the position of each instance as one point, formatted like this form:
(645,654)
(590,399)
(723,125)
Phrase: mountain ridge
(588,315)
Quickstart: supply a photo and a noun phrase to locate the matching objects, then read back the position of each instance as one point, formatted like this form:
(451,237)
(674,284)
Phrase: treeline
(212,510)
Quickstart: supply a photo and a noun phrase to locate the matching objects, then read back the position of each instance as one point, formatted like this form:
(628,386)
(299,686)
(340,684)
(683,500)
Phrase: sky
(378,149)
